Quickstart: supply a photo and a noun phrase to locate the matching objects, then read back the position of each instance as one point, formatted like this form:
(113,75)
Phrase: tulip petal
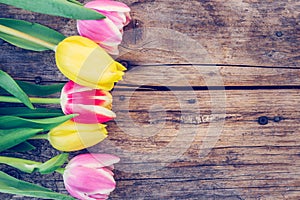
(94,160)
(108,5)
(71,136)
(71,87)
(91,114)
(112,74)
(92,97)
(78,94)
(91,105)
(76,193)
(90,180)
(112,50)
(109,31)
(84,62)
(86,176)
(99,196)
(100,31)
(117,18)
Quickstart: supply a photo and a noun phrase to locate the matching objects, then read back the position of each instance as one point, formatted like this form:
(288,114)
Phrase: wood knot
(38,80)
(133,33)
(263,120)
(122,98)
(126,64)
(192,101)
(279,34)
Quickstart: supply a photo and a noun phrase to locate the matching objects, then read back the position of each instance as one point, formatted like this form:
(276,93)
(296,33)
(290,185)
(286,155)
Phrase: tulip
(89,176)
(107,32)
(92,105)
(84,62)
(71,136)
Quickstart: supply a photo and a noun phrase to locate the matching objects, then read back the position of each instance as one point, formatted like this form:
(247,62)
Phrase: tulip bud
(84,62)
(108,32)
(92,105)
(71,136)
(89,176)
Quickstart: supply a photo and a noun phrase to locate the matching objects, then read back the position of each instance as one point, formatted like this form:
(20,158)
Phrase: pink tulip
(109,31)
(92,105)
(89,176)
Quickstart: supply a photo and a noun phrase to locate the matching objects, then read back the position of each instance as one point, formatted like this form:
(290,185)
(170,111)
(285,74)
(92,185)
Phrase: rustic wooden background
(202,73)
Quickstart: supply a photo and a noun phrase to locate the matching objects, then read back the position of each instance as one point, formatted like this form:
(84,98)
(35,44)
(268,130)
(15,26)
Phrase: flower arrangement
(85,99)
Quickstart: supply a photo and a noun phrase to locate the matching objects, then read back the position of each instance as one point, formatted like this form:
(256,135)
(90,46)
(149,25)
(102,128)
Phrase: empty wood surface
(202,73)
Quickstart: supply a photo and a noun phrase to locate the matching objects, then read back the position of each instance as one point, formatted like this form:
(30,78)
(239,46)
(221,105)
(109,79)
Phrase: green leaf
(27,166)
(22,43)
(40,90)
(8,83)
(10,122)
(22,147)
(11,185)
(76,2)
(31,113)
(13,137)
(37,90)
(53,164)
(33,29)
(61,8)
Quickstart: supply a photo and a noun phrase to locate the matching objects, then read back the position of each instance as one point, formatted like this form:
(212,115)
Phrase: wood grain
(178,75)
(209,32)
(247,161)
(202,73)
(233,32)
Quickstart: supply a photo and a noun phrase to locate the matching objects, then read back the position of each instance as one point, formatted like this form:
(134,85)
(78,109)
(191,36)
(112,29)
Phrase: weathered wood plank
(171,75)
(246,161)
(197,75)
(178,138)
(148,123)
(231,32)
(248,158)
(235,101)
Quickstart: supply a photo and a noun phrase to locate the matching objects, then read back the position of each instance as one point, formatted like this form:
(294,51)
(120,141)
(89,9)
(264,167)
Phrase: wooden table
(202,73)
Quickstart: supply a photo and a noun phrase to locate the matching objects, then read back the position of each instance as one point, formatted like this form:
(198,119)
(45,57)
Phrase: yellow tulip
(71,136)
(86,63)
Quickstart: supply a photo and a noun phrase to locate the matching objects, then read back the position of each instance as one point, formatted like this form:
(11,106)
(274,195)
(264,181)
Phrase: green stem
(25,36)
(60,170)
(39,136)
(9,99)
(27,166)
(45,100)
